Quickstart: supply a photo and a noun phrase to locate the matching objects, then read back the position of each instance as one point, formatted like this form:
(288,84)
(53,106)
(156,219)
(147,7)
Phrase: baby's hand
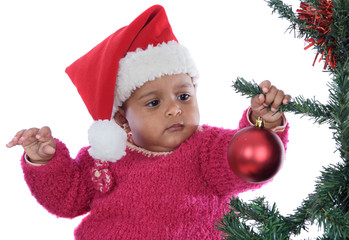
(273,98)
(37,143)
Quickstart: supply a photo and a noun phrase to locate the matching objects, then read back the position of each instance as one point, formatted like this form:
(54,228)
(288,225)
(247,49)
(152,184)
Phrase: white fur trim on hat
(141,66)
(107,140)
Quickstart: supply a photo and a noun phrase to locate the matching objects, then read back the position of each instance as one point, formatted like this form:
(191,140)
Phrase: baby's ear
(120,118)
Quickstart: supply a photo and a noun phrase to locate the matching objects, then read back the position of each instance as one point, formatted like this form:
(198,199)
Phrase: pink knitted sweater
(177,195)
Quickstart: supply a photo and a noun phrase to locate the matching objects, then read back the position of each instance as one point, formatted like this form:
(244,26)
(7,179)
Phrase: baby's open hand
(37,143)
(273,98)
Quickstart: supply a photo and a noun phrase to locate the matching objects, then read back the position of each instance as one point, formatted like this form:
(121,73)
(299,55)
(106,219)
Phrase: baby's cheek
(144,132)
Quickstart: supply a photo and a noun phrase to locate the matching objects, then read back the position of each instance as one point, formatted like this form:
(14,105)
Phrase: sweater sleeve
(214,163)
(63,185)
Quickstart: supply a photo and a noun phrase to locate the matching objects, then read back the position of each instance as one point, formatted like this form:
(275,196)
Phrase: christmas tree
(324,24)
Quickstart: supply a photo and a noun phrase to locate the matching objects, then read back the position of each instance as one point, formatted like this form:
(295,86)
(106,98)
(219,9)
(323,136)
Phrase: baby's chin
(170,140)
(176,143)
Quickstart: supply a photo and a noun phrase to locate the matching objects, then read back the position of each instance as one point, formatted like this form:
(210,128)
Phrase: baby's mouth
(175,127)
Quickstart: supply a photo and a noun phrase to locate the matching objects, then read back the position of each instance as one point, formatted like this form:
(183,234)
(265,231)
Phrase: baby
(151,171)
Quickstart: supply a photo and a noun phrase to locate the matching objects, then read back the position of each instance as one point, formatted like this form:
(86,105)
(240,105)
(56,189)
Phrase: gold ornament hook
(259,122)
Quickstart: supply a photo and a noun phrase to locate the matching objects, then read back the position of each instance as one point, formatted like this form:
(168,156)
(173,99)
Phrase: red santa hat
(107,75)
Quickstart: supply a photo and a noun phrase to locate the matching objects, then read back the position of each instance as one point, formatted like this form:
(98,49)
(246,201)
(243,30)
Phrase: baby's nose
(173,110)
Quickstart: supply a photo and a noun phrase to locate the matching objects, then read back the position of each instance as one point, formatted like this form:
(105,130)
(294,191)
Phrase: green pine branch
(299,105)
(328,205)
(285,11)
(257,220)
(339,104)
(340,30)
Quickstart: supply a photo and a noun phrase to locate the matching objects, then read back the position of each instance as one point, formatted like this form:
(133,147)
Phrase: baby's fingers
(265,86)
(44,134)
(28,137)
(278,99)
(286,99)
(15,139)
(48,146)
(48,150)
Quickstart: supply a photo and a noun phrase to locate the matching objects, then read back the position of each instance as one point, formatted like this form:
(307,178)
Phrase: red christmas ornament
(255,154)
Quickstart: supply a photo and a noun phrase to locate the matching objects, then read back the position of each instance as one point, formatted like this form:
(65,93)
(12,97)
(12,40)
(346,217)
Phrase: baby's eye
(153,103)
(183,97)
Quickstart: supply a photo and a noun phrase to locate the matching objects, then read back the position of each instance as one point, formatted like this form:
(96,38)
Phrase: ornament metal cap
(260,122)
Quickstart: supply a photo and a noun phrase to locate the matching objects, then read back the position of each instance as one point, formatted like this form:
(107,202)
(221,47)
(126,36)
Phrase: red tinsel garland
(320,20)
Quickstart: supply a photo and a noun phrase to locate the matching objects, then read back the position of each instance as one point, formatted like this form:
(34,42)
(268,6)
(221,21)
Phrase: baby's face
(163,113)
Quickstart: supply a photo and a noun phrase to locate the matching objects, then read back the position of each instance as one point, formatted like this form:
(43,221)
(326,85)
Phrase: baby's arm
(61,184)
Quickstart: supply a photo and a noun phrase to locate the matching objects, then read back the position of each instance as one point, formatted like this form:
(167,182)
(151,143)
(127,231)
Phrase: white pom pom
(107,140)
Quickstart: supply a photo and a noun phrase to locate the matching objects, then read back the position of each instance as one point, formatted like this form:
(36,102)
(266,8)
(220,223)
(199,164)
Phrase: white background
(39,39)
